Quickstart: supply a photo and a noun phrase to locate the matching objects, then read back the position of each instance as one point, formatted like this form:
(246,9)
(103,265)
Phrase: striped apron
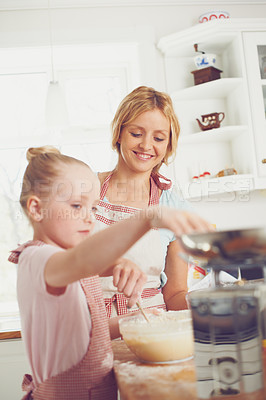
(92,378)
(146,253)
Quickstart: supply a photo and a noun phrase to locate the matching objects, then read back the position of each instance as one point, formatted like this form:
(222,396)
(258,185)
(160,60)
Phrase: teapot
(210,121)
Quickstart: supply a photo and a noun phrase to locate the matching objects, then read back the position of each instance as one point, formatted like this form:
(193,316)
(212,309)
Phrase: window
(95,78)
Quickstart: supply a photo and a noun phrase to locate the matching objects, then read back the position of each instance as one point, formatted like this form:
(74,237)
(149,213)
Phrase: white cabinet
(238,143)
(255,56)
(13,365)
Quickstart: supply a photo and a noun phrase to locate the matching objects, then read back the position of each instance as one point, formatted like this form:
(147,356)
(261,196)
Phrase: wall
(13,366)
(145,24)
(98,24)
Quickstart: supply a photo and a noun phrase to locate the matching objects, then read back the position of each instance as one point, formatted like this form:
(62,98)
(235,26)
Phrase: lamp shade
(56,109)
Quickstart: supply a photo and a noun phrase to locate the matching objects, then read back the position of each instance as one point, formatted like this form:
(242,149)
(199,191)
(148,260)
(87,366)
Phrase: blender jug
(229,321)
(227,342)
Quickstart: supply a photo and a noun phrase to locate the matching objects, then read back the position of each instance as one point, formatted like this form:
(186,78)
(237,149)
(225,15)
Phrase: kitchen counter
(139,381)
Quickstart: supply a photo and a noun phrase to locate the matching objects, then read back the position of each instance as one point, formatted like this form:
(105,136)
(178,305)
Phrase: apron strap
(121,301)
(27,386)
(161,181)
(14,254)
(154,194)
(105,186)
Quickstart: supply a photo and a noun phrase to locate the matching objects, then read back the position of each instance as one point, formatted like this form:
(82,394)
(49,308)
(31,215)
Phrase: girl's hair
(43,168)
(135,103)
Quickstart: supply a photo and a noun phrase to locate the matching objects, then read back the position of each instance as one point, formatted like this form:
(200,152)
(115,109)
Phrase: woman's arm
(176,270)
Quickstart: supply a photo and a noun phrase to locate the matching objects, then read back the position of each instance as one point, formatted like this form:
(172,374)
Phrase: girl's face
(68,213)
(144,142)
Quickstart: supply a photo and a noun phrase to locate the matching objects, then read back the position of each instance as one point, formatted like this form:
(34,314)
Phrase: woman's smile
(143,156)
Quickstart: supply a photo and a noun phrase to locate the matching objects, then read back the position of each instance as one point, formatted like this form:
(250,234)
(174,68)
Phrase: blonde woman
(145,133)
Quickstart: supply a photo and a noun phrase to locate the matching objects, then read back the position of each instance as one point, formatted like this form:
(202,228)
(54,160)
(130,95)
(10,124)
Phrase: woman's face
(144,142)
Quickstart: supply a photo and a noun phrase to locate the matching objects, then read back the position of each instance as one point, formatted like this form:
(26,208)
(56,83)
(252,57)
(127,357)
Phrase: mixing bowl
(167,338)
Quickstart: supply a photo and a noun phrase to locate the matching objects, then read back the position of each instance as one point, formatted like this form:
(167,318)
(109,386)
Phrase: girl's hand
(129,280)
(180,222)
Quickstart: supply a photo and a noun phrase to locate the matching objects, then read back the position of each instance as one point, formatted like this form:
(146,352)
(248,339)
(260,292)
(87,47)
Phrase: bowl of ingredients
(212,15)
(166,338)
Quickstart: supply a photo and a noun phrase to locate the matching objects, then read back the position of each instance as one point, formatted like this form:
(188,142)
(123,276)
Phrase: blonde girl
(63,319)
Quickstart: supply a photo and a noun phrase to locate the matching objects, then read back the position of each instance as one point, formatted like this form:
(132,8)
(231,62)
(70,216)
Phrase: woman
(145,133)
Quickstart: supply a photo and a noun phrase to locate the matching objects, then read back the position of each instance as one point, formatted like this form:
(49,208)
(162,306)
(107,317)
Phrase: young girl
(63,319)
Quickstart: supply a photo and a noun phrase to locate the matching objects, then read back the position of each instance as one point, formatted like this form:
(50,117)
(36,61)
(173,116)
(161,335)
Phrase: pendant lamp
(55,109)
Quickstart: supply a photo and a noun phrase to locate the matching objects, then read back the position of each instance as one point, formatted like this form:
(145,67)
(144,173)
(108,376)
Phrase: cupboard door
(255,59)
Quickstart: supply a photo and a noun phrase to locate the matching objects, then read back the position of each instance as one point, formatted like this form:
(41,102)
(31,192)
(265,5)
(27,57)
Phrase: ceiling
(39,4)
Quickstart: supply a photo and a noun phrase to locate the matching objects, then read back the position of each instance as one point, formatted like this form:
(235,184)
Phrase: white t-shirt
(55,329)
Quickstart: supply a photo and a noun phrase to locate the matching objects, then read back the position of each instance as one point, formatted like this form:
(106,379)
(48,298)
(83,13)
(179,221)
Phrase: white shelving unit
(239,143)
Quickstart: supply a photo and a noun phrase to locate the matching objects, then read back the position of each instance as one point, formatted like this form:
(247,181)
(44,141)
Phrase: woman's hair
(44,166)
(137,102)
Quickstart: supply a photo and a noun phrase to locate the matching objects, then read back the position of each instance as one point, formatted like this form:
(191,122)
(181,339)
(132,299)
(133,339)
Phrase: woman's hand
(129,280)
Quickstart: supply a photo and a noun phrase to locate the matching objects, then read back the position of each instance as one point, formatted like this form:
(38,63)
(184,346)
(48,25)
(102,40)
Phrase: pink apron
(146,253)
(92,378)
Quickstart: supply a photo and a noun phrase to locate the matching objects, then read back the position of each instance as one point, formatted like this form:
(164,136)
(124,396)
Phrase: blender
(229,319)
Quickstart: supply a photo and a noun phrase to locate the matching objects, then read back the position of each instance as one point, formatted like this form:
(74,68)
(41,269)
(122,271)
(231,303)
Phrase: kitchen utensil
(142,311)
(227,342)
(229,247)
(229,321)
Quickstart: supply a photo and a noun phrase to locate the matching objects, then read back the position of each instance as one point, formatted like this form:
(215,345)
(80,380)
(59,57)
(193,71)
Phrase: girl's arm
(96,253)
(176,270)
(101,250)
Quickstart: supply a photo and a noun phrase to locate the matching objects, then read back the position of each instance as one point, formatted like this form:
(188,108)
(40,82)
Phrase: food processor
(229,319)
